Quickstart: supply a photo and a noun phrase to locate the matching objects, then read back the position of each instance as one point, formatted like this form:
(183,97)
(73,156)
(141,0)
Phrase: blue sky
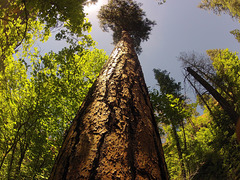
(181,26)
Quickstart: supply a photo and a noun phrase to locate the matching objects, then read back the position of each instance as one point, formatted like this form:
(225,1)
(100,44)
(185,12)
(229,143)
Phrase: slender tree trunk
(179,150)
(10,169)
(114,135)
(23,149)
(184,135)
(201,97)
(222,101)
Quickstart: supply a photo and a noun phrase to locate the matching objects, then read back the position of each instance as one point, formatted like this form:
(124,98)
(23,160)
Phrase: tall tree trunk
(222,101)
(203,100)
(114,135)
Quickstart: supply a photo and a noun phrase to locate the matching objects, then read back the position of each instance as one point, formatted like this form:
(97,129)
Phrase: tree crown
(166,83)
(126,15)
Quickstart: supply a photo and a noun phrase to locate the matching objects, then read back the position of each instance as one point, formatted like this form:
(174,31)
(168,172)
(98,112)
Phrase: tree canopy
(166,83)
(41,93)
(207,142)
(217,130)
(26,21)
(126,15)
(231,7)
(52,13)
(172,112)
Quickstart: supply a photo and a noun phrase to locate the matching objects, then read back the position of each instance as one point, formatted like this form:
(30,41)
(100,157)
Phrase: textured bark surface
(114,135)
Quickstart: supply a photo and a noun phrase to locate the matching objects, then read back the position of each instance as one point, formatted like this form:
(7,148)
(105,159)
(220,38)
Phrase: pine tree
(114,135)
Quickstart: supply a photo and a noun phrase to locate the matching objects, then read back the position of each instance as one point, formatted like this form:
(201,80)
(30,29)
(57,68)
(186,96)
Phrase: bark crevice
(93,171)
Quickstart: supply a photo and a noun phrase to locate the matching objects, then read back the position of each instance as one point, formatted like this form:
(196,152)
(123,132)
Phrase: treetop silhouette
(126,15)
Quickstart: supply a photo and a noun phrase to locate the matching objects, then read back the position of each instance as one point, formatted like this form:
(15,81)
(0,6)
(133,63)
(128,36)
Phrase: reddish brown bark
(114,135)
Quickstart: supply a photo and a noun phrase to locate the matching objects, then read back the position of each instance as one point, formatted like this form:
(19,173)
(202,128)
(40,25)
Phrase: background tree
(18,21)
(221,71)
(206,144)
(37,105)
(222,6)
(172,112)
(40,94)
(124,15)
(218,72)
(230,7)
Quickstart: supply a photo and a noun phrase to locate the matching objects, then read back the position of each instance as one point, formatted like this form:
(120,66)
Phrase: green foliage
(70,13)
(169,109)
(231,7)
(227,67)
(19,21)
(206,144)
(220,69)
(214,151)
(38,105)
(168,102)
(236,34)
(166,83)
(53,14)
(15,30)
(204,162)
(126,15)
(172,112)
(40,94)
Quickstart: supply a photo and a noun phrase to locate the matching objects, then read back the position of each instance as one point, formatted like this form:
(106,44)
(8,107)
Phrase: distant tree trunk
(114,135)
(222,101)
(179,150)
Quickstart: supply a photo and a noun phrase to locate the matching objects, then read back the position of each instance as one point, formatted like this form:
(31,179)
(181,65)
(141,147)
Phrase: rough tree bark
(114,135)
